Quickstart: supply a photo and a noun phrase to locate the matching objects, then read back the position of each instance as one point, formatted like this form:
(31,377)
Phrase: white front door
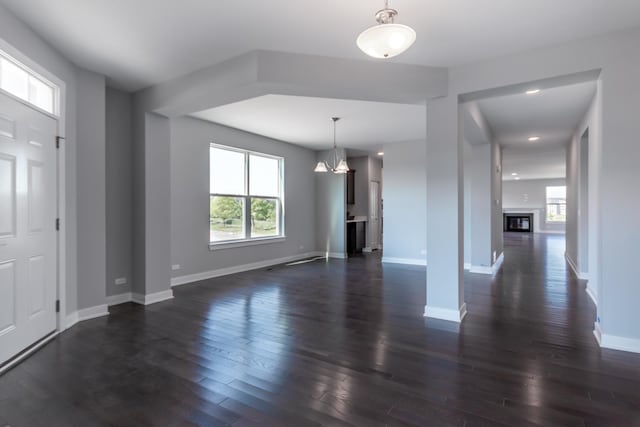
(28,241)
(374,214)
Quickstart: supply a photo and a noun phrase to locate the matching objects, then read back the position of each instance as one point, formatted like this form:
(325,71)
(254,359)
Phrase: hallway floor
(338,343)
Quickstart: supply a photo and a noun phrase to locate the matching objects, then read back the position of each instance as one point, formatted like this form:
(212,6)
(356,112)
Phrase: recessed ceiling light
(532,91)
(517,178)
(534,138)
(514,174)
(380,153)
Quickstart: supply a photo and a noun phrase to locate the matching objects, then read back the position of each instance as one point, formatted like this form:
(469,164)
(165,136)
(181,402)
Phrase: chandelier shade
(339,165)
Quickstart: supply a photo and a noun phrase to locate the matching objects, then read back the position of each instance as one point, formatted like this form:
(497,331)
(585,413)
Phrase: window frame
(547,204)
(247,240)
(31,74)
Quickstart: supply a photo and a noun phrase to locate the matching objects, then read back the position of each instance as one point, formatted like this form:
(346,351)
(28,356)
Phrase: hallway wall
(575,234)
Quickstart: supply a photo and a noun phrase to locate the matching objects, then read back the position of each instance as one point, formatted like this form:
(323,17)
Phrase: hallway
(338,343)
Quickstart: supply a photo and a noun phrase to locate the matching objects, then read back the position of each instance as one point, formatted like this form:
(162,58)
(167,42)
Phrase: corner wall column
(445,293)
(152,209)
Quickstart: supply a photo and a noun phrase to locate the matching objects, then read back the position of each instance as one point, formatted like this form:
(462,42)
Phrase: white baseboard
(574,268)
(467,266)
(485,269)
(408,261)
(149,299)
(119,299)
(336,255)
(597,332)
(498,264)
(190,278)
(620,343)
(592,294)
(446,313)
(614,342)
(481,269)
(86,314)
(70,320)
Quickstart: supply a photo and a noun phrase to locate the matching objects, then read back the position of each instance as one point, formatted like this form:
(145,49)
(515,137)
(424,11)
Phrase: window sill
(243,243)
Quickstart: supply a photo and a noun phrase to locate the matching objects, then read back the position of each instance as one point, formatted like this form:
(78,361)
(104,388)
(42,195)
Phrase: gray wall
(582,240)
(405,202)
(361,186)
(91,190)
(330,210)
(119,192)
(190,139)
(530,194)
(481,209)
(375,174)
(496,201)
(467,155)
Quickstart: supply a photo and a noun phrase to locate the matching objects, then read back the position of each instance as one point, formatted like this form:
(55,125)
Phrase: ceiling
(364,126)
(553,114)
(533,163)
(138,43)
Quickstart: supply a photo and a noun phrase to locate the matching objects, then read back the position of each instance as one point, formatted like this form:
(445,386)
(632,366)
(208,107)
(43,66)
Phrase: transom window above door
(19,81)
(246,202)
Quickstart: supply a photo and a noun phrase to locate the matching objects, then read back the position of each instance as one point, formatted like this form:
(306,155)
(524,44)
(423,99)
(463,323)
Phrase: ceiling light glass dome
(386,39)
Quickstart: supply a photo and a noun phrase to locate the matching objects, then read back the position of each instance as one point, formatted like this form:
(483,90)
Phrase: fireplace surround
(519,222)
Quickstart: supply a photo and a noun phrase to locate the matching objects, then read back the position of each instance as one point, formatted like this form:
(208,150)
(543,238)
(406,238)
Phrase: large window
(24,84)
(557,204)
(246,195)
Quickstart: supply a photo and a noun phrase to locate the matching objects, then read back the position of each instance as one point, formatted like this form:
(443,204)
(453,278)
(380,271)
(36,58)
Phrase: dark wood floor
(338,343)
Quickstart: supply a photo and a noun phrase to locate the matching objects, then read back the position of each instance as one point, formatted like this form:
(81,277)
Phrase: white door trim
(60,172)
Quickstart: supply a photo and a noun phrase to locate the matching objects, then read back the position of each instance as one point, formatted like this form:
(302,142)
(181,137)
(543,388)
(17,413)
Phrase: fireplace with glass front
(520,222)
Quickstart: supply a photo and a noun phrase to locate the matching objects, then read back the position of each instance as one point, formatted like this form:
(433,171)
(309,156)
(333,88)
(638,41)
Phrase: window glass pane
(14,79)
(40,94)
(264,217)
(264,176)
(556,204)
(226,218)
(227,171)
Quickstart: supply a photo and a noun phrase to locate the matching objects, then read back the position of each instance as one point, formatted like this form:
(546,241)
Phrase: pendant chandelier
(338,166)
(387,39)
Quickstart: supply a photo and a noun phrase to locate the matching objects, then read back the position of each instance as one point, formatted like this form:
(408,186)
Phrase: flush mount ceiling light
(514,174)
(381,153)
(338,166)
(532,91)
(517,178)
(534,138)
(387,39)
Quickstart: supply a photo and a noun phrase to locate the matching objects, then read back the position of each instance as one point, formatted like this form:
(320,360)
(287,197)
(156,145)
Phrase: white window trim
(236,243)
